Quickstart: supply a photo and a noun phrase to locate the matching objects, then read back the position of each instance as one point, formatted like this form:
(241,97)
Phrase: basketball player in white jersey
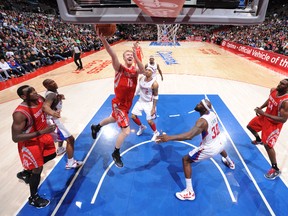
(152,64)
(52,107)
(211,145)
(148,87)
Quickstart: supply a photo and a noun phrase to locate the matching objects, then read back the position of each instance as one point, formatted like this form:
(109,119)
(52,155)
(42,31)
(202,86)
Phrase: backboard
(226,12)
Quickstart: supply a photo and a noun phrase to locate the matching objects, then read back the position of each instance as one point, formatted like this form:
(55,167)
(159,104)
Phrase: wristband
(155,97)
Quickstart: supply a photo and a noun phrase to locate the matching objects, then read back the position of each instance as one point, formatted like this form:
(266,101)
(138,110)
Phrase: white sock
(189,184)
(70,161)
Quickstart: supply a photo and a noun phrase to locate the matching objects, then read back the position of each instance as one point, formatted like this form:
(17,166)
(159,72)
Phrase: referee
(77,56)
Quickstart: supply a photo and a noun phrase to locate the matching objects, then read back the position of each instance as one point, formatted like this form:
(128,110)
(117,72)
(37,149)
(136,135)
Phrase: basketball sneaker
(272,174)
(226,163)
(94,130)
(74,165)
(24,176)
(185,195)
(156,133)
(255,142)
(141,129)
(60,150)
(117,159)
(38,201)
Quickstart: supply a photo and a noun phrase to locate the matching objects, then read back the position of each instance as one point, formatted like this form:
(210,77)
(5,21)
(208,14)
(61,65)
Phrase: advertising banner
(269,57)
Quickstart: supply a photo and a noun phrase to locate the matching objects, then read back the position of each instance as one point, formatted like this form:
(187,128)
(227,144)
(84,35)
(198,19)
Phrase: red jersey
(33,151)
(36,119)
(274,104)
(125,83)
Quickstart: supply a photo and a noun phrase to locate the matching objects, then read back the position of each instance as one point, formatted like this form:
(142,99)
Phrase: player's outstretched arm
(200,126)
(111,52)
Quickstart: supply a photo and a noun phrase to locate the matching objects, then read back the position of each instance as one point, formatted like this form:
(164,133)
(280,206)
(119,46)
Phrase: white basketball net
(166,33)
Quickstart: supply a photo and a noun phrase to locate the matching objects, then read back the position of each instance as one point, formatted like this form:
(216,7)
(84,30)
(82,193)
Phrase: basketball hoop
(166,33)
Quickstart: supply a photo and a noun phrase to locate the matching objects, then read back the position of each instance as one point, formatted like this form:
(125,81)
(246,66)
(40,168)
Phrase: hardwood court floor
(201,68)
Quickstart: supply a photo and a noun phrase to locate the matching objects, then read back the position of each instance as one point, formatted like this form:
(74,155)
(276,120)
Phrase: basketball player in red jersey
(35,144)
(125,82)
(139,51)
(270,123)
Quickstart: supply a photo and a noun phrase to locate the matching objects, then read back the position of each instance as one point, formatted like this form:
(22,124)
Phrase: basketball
(106,29)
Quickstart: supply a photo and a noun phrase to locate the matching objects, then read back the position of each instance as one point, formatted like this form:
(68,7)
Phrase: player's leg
(71,162)
(147,109)
(64,134)
(188,192)
(34,199)
(137,111)
(270,136)
(123,123)
(226,160)
(274,171)
(196,155)
(254,126)
(60,149)
(39,155)
(96,128)
(125,131)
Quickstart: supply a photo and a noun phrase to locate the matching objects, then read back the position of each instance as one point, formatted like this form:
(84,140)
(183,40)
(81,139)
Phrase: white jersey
(146,92)
(211,136)
(58,106)
(60,133)
(154,68)
(145,102)
(211,142)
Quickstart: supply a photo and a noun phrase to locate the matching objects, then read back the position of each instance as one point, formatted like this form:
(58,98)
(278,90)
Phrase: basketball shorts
(32,152)
(60,133)
(270,131)
(120,115)
(141,106)
(205,152)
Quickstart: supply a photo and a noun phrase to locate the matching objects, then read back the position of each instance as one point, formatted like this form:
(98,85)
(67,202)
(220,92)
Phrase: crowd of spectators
(30,40)
(33,39)
(271,35)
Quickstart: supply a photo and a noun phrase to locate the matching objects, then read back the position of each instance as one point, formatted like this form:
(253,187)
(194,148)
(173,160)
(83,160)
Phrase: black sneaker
(24,176)
(117,159)
(38,201)
(255,142)
(94,130)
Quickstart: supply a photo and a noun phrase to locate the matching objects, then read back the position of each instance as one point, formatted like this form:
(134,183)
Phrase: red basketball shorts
(32,152)
(270,130)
